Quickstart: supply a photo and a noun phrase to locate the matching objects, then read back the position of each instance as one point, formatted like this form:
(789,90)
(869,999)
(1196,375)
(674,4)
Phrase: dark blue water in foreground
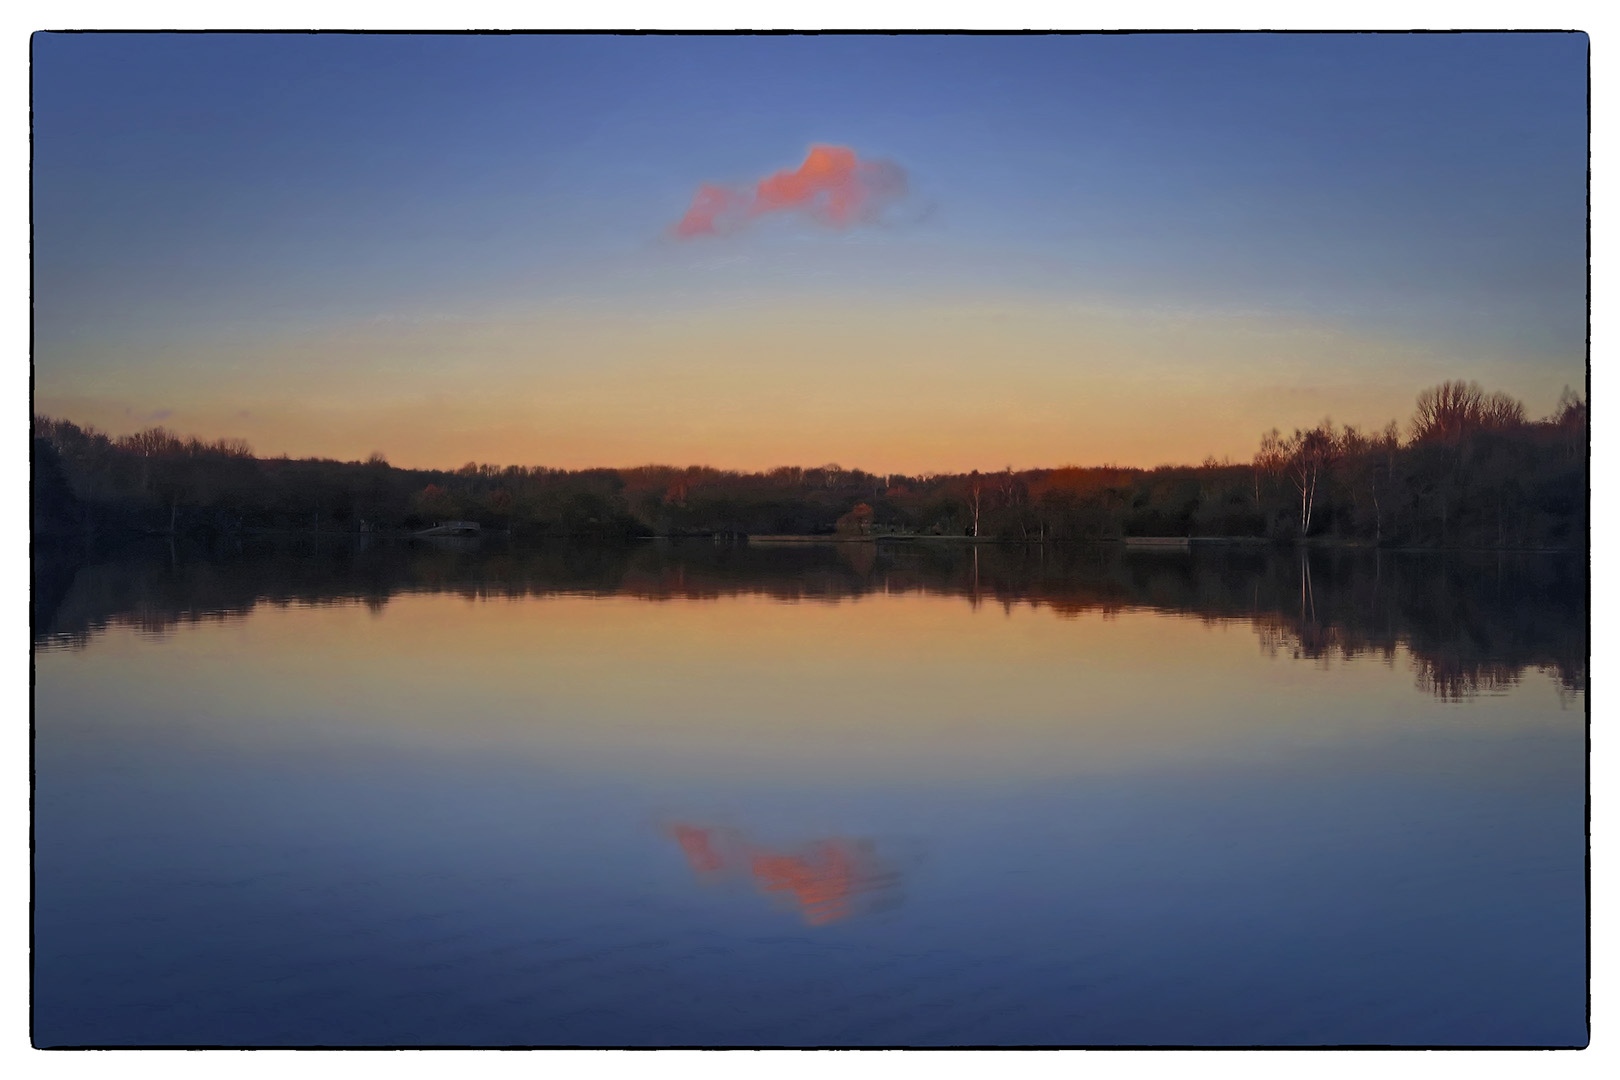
(809,798)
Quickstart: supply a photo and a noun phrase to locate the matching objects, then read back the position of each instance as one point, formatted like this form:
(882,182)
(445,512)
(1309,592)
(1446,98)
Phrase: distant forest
(1469,470)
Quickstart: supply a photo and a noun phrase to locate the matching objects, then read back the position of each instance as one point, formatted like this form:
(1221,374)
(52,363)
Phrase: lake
(809,795)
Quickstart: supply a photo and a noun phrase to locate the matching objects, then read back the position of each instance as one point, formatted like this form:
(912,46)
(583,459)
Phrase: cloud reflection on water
(825,880)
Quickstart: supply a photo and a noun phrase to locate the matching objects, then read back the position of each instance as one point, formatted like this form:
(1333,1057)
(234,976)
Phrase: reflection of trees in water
(1454,679)
(1448,676)
(1472,622)
(825,881)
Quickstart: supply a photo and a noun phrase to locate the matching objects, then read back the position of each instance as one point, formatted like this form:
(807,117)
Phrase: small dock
(453,528)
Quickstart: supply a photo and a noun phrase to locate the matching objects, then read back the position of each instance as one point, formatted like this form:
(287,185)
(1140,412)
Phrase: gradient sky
(1133,249)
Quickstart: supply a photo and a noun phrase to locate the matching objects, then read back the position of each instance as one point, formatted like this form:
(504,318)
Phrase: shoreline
(1157,545)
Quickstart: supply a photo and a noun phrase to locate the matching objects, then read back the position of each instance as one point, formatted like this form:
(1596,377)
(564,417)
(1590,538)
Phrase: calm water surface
(819,795)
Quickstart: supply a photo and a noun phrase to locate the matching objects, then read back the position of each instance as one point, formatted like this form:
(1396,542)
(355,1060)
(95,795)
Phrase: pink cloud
(834,187)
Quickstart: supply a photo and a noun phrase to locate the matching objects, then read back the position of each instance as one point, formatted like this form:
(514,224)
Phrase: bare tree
(1269,460)
(1570,419)
(1455,409)
(1310,456)
(1501,412)
(1444,412)
(1383,447)
(1014,492)
(976,496)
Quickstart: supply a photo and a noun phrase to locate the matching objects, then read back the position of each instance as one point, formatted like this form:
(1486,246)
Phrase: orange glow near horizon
(929,387)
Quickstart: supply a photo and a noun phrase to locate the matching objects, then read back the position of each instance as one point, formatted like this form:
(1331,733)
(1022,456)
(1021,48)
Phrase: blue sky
(261,234)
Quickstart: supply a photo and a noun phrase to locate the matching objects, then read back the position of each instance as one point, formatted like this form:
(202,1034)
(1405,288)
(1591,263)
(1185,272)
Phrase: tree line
(1469,470)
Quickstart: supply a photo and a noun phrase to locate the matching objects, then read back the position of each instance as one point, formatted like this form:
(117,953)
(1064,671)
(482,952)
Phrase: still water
(840,794)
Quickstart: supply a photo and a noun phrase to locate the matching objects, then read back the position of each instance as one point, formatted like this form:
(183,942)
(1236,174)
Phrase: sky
(902,254)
